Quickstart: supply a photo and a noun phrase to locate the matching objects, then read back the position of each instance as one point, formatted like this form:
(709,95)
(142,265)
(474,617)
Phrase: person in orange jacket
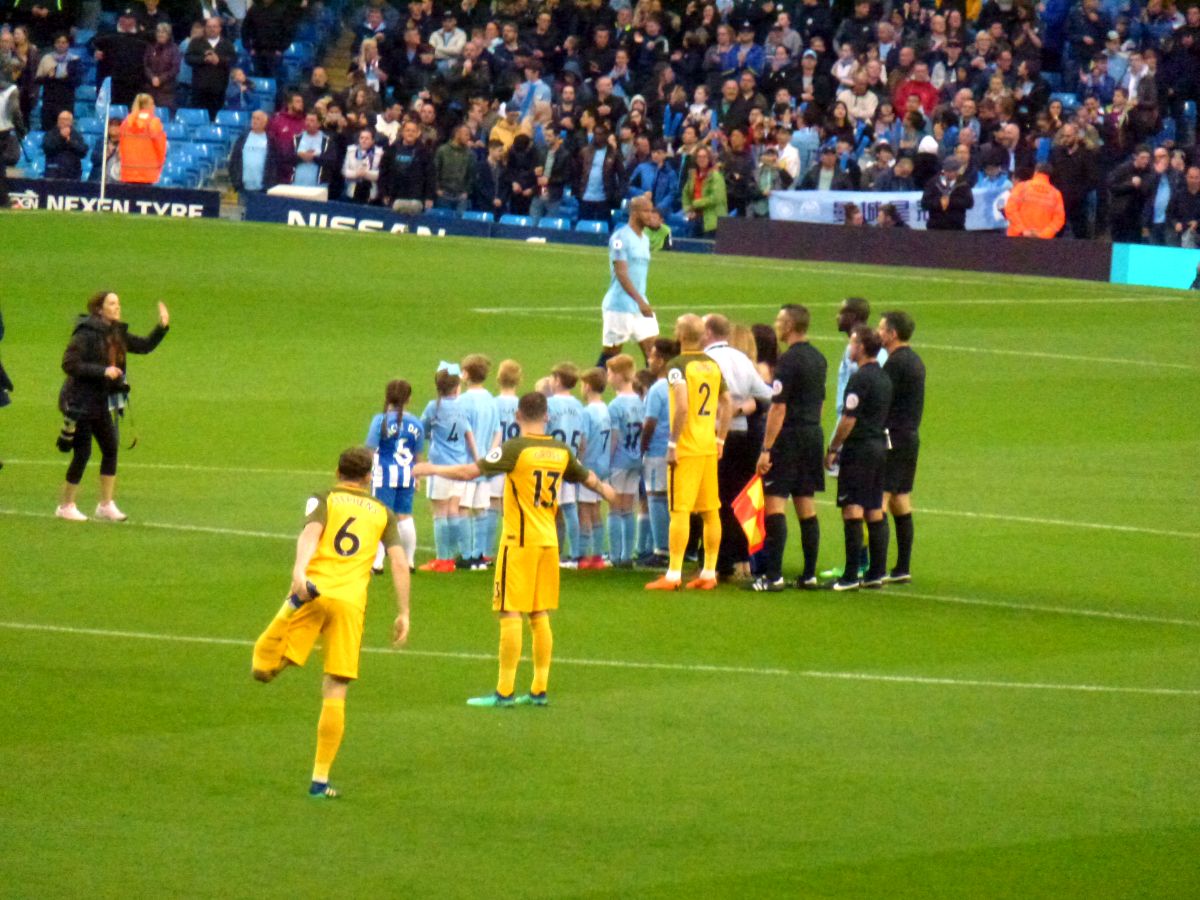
(143,145)
(1035,207)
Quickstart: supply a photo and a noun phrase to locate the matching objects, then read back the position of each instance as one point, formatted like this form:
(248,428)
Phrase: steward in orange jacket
(1035,207)
(143,145)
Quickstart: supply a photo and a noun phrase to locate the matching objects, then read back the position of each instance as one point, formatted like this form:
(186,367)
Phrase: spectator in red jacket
(919,85)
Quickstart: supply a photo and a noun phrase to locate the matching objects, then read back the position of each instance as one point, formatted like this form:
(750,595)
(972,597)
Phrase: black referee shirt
(907,374)
(800,386)
(868,398)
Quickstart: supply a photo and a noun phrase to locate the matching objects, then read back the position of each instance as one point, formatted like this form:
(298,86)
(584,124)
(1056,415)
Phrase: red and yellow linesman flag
(750,509)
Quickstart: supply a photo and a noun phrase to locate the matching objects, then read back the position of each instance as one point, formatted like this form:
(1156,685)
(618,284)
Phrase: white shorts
(625,481)
(496,487)
(654,471)
(568,493)
(476,494)
(587,495)
(621,327)
(439,488)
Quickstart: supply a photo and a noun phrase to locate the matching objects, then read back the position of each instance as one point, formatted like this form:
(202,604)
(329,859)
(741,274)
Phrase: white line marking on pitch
(585,305)
(1035,354)
(962,514)
(656,666)
(900,592)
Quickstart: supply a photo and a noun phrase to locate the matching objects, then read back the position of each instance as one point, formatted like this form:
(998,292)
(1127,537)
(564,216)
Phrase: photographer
(94,395)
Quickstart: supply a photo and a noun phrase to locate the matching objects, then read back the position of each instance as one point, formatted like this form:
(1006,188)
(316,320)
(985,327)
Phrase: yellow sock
(330,727)
(268,649)
(677,538)
(543,648)
(712,541)
(510,654)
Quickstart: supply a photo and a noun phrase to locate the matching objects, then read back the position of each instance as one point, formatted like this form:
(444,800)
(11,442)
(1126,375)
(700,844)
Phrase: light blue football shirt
(566,420)
(506,410)
(597,432)
(658,408)
(626,246)
(479,407)
(627,412)
(446,427)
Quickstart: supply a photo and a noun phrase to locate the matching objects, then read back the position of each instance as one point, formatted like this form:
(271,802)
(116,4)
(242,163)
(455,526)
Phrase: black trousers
(733,471)
(103,428)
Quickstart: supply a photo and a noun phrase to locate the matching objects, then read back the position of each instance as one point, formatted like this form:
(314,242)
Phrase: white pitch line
(956,513)
(585,305)
(702,668)
(1054,610)
(901,592)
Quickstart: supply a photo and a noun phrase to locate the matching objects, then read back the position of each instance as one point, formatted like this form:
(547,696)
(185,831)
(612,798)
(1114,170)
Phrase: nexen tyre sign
(122,199)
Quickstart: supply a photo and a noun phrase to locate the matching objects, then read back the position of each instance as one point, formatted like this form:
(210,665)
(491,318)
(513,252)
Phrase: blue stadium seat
(264,86)
(86,93)
(1068,100)
(477,215)
(591,226)
(192,118)
(175,131)
(211,134)
(516,221)
(89,126)
(439,212)
(233,118)
(117,111)
(32,145)
(554,223)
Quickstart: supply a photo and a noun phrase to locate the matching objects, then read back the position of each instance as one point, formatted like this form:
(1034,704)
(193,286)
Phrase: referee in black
(906,371)
(790,462)
(861,439)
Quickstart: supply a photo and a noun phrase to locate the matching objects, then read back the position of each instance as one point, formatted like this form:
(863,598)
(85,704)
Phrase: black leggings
(104,429)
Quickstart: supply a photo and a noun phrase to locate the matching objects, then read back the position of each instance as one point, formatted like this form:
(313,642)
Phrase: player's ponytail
(446,381)
(397,395)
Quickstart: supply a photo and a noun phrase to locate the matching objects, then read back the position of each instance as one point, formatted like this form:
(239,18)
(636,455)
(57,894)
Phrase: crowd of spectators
(569,107)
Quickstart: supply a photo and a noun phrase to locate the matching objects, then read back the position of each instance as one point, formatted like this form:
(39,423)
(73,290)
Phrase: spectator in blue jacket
(657,178)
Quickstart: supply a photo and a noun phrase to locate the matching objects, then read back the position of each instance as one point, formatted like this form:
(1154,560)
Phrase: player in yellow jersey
(328,598)
(535,467)
(699,410)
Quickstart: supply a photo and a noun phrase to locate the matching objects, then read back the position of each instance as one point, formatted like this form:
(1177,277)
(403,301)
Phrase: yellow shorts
(692,484)
(338,623)
(526,579)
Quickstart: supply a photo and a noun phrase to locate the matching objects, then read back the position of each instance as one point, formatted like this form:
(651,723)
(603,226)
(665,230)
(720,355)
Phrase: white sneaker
(71,513)
(109,511)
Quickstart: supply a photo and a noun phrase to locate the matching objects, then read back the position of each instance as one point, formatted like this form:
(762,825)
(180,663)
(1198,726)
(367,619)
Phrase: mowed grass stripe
(702,668)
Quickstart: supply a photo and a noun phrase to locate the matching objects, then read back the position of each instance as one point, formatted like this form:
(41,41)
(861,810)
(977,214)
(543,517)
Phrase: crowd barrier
(976,252)
(122,199)
(829,207)
(337,216)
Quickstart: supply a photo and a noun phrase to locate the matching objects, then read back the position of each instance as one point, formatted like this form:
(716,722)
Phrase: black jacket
(95,345)
(614,174)
(270,167)
(1074,174)
(1129,200)
(210,79)
(64,158)
(407,173)
(327,160)
(1183,208)
(954,216)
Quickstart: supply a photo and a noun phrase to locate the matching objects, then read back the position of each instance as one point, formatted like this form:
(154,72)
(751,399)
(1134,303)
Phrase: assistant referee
(790,463)
(906,371)
(861,440)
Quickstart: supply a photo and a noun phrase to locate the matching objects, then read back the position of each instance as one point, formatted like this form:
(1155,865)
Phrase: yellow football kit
(354,523)
(535,468)
(692,478)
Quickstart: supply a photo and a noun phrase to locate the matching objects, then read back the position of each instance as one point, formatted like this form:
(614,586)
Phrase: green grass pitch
(1022,721)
